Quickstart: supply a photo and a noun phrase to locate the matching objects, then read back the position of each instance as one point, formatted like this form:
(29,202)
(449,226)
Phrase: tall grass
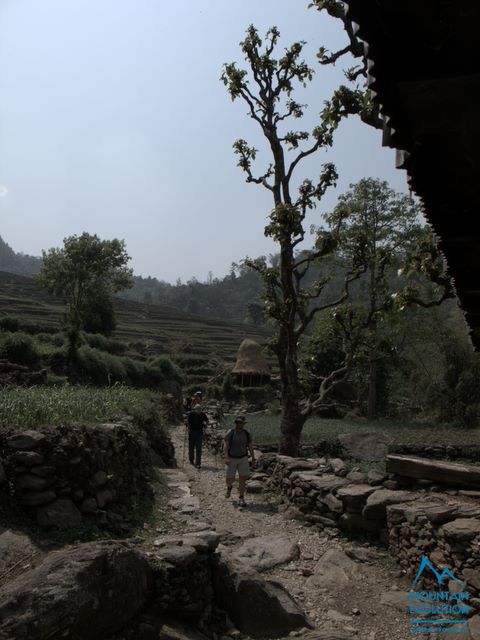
(27,408)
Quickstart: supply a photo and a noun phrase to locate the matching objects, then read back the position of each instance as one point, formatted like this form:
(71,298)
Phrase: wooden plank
(450,473)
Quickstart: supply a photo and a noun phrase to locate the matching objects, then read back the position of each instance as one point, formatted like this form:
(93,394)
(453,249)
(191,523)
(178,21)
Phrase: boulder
(324,484)
(472,577)
(354,496)
(87,591)
(14,547)
(31,482)
(36,498)
(334,571)
(338,466)
(25,440)
(28,458)
(461,529)
(364,446)
(356,477)
(60,514)
(333,503)
(254,487)
(259,608)
(375,478)
(474,627)
(173,630)
(376,505)
(266,552)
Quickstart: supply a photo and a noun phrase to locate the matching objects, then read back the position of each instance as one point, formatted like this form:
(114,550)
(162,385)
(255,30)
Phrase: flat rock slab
(87,591)
(376,505)
(325,483)
(257,607)
(297,464)
(266,552)
(398,599)
(462,529)
(334,571)
(186,504)
(365,446)
(354,496)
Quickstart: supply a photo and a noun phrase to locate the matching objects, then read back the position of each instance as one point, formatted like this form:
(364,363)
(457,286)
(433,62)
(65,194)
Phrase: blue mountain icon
(426,564)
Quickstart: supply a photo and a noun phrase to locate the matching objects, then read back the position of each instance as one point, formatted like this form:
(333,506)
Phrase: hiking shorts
(237,464)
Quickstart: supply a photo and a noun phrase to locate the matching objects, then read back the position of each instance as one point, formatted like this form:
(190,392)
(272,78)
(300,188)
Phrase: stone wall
(420,521)
(62,475)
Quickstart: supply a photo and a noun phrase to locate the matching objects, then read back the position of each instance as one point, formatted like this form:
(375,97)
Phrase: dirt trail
(366,604)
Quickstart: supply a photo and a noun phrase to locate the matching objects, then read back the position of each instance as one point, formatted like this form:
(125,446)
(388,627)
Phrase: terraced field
(148,329)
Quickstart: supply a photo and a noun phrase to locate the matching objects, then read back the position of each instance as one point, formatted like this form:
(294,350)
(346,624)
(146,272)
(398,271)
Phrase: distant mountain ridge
(19,263)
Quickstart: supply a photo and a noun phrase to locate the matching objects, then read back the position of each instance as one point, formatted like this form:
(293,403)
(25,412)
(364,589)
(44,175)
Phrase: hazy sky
(113,121)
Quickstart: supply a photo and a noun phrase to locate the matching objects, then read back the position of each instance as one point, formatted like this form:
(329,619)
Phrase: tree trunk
(372,390)
(291,427)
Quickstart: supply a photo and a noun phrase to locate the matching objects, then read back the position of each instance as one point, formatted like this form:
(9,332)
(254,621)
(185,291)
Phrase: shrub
(20,348)
(100,367)
(167,369)
(55,339)
(8,323)
(99,341)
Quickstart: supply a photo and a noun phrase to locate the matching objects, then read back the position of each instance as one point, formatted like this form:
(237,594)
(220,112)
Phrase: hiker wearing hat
(237,444)
(196,421)
(196,399)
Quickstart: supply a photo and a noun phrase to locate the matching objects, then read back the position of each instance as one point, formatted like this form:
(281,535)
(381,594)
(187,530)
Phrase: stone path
(350,589)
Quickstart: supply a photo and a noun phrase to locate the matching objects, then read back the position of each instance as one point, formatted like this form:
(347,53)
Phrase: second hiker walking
(237,444)
(196,421)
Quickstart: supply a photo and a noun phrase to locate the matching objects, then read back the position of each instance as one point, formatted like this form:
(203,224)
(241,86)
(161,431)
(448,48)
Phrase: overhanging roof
(424,71)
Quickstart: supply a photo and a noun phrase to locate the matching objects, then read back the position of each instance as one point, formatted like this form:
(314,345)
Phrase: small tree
(267,89)
(78,273)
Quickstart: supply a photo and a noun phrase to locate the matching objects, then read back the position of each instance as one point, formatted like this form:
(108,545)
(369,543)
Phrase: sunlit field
(265,429)
(30,407)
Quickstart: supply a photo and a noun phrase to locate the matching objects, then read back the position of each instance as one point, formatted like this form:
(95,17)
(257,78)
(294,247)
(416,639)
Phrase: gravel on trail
(366,598)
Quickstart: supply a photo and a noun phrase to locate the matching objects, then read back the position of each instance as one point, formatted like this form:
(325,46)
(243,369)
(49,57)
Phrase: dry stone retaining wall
(443,526)
(62,475)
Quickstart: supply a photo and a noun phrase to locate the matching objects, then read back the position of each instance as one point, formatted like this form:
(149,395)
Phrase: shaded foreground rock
(87,591)
(266,552)
(260,608)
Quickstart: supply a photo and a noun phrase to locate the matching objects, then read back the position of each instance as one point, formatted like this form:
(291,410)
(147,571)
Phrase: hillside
(17,262)
(205,345)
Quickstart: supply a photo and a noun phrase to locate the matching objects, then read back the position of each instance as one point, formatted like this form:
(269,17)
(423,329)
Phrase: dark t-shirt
(238,441)
(197,420)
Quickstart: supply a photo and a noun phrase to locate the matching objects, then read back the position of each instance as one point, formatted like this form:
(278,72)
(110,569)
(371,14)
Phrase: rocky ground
(350,588)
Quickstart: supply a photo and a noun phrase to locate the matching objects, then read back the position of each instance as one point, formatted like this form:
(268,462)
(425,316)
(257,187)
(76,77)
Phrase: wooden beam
(450,473)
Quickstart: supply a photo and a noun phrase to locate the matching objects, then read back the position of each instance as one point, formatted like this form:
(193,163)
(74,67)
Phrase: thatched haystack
(251,368)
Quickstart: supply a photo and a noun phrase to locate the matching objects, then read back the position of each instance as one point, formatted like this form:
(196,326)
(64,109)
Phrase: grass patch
(32,407)
(265,429)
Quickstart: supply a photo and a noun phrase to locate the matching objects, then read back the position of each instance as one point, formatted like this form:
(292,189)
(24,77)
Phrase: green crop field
(149,329)
(31,407)
(265,429)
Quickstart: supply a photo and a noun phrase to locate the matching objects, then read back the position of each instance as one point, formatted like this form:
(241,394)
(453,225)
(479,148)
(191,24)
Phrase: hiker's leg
(198,449)
(242,483)
(230,469)
(244,474)
(191,445)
